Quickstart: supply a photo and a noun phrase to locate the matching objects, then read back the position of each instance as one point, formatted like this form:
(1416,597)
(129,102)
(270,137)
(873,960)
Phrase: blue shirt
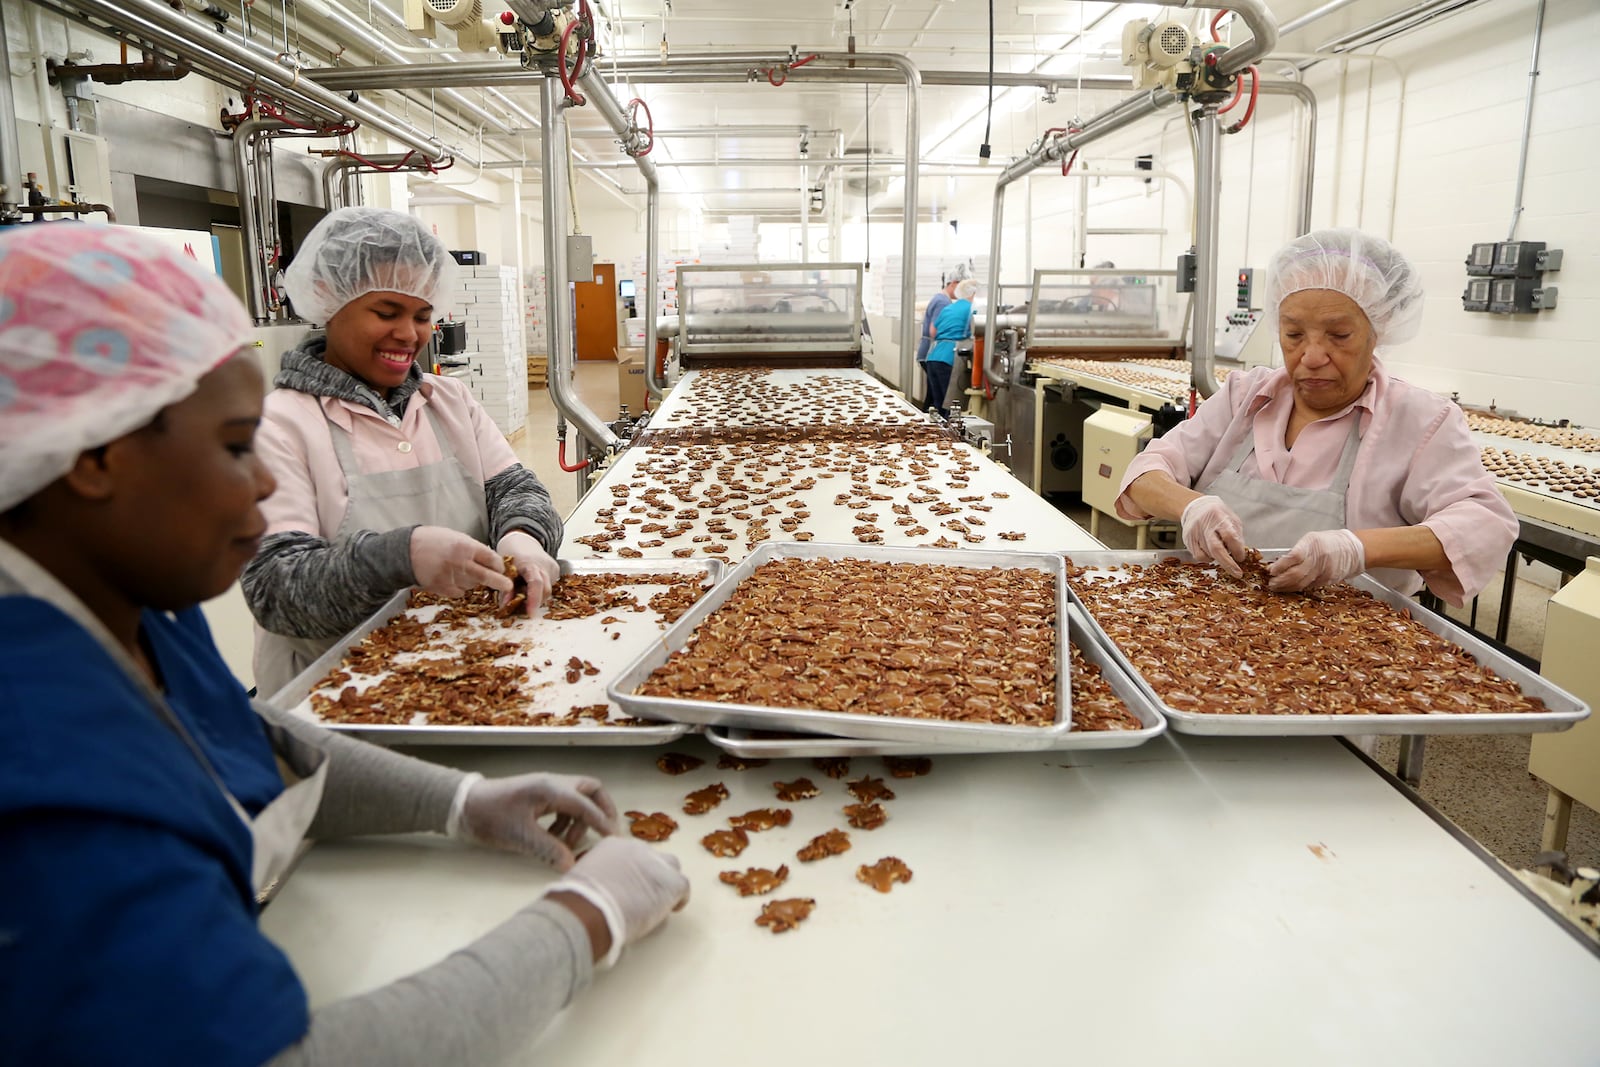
(127,920)
(939,302)
(953,324)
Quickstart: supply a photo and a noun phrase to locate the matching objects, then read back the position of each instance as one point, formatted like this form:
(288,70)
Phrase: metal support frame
(10,148)
(1208,186)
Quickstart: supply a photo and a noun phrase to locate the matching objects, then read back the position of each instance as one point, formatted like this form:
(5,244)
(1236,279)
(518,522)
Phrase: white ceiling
(1065,37)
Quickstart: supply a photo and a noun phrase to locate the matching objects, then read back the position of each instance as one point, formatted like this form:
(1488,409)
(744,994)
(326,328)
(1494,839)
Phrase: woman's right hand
(448,563)
(633,885)
(1214,534)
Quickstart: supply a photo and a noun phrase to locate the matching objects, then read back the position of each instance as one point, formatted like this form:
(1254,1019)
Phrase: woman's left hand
(534,566)
(504,813)
(1323,557)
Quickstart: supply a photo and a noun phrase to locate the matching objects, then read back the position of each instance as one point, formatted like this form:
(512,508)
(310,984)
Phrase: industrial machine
(769,314)
(1067,321)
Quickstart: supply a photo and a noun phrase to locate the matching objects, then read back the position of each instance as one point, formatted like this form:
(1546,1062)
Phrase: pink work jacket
(1417,466)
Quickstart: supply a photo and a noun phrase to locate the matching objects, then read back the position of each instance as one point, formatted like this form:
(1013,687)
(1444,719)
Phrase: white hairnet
(100,328)
(359,250)
(1367,269)
(958,273)
(967,289)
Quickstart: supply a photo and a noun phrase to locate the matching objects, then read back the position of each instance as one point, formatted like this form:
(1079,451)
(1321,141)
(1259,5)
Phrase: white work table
(1192,901)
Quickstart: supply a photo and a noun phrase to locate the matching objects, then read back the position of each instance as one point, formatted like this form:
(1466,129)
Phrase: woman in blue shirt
(144,802)
(953,324)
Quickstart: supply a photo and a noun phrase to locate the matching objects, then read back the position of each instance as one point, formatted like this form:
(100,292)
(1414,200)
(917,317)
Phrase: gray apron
(435,494)
(1276,516)
(278,830)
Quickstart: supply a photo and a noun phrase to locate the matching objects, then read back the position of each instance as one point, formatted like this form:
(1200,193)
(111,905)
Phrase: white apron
(278,830)
(1276,516)
(435,494)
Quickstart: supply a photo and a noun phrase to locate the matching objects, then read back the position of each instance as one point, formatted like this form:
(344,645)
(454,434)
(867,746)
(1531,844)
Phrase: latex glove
(634,886)
(534,566)
(1324,557)
(1214,534)
(447,562)
(504,813)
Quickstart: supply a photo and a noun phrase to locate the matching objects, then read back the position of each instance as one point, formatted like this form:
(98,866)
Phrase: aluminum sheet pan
(751,744)
(986,737)
(585,637)
(1565,709)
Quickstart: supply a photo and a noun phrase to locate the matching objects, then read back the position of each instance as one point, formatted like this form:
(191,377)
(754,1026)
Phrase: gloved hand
(534,565)
(1214,534)
(447,562)
(634,886)
(1323,557)
(504,813)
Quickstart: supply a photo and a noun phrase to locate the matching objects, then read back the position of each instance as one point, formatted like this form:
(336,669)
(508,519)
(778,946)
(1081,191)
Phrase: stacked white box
(490,301)
(535,298)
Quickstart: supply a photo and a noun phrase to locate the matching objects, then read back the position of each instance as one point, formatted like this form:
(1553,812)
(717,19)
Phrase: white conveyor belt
(1214,901)
(811,400)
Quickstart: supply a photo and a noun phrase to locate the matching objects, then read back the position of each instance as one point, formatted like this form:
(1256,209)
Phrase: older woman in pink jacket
(387,477)
(1329,456)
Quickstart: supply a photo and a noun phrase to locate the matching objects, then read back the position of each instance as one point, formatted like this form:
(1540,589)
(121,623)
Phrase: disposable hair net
(100,328)
(359,250)
(967,290)
(1367,269)
(958,273)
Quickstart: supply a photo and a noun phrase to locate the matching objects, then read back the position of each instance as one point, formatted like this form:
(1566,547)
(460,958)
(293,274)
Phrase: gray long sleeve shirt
(480,1004)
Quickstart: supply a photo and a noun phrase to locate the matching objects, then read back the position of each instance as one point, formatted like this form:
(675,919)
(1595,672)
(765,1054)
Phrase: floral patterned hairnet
(101,327)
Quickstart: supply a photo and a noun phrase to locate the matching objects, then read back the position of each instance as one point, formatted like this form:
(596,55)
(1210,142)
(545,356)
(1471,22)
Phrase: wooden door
(596,314)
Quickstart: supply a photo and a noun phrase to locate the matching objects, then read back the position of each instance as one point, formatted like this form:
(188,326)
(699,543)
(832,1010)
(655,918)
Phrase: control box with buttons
(1506,277)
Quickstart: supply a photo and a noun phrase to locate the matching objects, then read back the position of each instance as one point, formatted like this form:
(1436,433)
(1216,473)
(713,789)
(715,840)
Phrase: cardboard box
(630,379)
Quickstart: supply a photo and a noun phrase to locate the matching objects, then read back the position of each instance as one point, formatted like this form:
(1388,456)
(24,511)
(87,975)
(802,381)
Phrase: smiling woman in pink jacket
(1329,456)
(387,477)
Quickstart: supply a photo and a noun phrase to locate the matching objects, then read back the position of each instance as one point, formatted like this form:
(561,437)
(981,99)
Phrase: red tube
(1215,36)
(1250,108)
(773,72)
(561,458)
(1238,90)
(569,77)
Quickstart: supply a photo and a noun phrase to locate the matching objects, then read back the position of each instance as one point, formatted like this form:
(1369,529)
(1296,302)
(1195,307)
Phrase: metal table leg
(1506,592)
(1413,750)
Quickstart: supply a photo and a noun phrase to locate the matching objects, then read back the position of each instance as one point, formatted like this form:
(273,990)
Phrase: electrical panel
(1247,284)
(1187,268)
(1506,277)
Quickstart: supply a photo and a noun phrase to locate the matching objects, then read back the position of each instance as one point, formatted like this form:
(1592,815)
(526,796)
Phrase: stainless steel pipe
(558,311)
(1208,182)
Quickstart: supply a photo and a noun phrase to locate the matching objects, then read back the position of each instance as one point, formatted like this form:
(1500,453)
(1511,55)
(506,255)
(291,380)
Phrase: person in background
(145,802)
(1329,456)
(939,301)
(953,323)
(387,477)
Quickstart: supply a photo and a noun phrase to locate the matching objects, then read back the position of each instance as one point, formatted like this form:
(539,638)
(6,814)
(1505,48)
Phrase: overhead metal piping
(558,311)
(486,73)
(230,62)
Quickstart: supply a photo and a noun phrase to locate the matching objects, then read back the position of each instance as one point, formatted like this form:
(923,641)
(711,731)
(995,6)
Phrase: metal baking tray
(751,744)
(583,637)
(1565,709)
(976,736)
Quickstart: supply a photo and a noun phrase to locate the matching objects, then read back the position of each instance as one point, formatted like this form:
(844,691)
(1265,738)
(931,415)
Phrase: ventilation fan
(1160,54)
(456,12)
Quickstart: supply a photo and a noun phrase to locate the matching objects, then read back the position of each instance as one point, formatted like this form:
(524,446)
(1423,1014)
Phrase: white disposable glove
(534,566)
(1214,534)
(1324,557)
(448,563)
(634,886)
(504,813)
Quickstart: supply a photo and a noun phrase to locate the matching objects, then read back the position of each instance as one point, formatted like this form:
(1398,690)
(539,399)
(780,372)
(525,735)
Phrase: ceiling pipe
(231,63)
